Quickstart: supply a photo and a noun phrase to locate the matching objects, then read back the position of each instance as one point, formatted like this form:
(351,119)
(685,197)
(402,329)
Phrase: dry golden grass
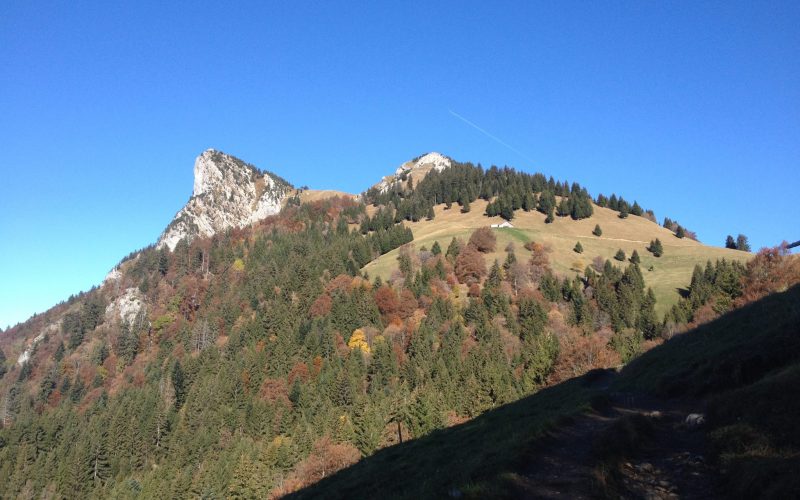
(310,195)
(671,272)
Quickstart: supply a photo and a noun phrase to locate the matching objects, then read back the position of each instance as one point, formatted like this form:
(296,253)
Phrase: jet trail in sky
(490,135)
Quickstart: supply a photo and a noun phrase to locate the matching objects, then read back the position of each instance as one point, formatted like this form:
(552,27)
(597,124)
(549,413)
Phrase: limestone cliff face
(228,193)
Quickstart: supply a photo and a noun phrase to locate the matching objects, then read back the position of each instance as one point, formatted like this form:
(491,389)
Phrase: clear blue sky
(691,108)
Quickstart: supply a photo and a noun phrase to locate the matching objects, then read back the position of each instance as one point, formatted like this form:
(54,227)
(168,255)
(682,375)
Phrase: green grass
(671,272)
(464,457)
(729,352)
(747,365)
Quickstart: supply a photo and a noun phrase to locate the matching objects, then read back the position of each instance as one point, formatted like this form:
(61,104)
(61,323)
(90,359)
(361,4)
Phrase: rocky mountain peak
(227,193)
(418,168)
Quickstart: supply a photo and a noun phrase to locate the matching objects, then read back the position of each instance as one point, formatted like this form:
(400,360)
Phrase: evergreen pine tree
(597,231)
(436,249)
(730,242)
(550,217)
(506,211)
(613,202)
(635,259)
(656,248)
(620,255)
(163,261)
(623,211)
(680,232)
(742,243)
(453,249)
(578,248)
(430,214)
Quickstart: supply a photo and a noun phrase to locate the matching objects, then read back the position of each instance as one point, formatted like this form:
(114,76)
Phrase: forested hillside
(262,359)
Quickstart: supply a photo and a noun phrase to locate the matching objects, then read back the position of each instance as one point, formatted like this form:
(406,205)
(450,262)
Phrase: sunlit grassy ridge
(671,272)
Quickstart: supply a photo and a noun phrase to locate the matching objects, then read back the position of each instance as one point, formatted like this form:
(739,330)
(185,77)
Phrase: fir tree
(680,232)
(635,259)
(656,248)
(730,242)
(453,249)
(430,214)
(550,217)
(578,248)
(597,231)
(436,249)
(742,243)
(620,255)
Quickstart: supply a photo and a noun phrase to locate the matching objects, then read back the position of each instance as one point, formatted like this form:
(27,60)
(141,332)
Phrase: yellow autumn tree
(359,341)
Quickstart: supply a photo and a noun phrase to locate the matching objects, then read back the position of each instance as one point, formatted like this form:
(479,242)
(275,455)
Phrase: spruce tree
(430,214)
(656,248)
(578,248)
(597,231)
(465,208)
(742,243)
(453,249)
(623,212)
(163,261)
(730,242)
(620,255)
(436,249)
(680,233)
(635,257)
(506,211)
(550,217)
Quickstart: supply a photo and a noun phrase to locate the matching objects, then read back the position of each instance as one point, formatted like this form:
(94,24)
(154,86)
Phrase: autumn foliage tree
(387,301)
(326,458)
(483,239)
(470,265)
(771,270)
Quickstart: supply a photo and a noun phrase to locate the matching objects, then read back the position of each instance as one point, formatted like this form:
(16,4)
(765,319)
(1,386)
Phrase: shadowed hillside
(745,366)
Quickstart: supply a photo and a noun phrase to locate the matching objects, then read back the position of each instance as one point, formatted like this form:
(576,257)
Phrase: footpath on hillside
(630,446)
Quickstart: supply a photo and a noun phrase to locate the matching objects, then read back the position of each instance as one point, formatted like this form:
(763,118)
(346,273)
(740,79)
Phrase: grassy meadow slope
(671,272)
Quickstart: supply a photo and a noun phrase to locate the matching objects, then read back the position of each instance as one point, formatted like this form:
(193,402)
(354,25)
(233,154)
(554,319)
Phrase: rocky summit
(228,193)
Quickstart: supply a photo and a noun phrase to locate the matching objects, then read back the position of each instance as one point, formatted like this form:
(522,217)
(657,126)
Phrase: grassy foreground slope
(746,365)
(671,272)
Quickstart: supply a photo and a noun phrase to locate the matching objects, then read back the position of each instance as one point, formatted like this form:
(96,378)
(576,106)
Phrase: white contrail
(490,135)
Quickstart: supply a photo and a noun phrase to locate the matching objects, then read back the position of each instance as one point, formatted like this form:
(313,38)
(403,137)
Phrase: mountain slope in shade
(228,193)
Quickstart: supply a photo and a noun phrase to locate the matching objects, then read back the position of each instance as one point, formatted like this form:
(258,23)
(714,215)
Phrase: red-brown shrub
(483,239)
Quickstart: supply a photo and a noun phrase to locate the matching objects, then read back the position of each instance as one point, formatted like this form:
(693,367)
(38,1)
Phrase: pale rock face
(113,275)
(26,354)
(422,165)
(126,306)
(228,193)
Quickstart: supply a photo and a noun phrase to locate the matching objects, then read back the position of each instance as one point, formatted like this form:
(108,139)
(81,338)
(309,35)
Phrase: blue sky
(691,108)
